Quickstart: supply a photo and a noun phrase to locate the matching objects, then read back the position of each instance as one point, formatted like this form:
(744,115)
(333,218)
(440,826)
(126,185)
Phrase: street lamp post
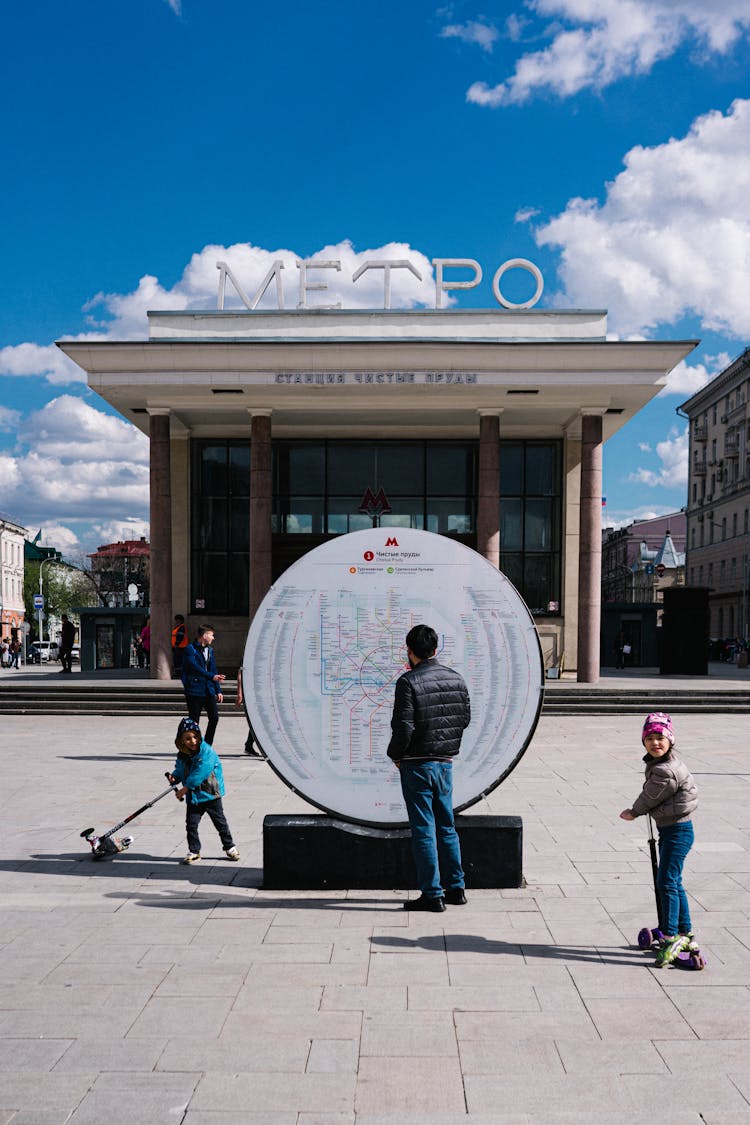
(41,564)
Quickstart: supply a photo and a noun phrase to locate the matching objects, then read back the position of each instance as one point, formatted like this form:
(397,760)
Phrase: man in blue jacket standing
(201,681)
(431,710)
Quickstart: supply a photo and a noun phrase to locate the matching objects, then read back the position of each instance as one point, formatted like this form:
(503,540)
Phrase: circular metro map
(326,647)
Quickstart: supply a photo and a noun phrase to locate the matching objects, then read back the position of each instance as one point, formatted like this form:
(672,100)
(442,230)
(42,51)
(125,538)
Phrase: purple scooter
(648,940)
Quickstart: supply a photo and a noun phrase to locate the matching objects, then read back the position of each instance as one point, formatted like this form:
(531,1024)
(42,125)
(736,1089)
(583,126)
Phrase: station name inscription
(373,378)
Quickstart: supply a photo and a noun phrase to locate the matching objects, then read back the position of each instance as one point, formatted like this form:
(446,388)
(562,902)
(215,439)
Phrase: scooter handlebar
(173,783)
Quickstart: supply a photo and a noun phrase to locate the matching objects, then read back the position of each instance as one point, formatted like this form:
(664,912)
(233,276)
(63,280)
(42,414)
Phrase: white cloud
(672,237)
(37,359)
(644,447)
(9,420)
(687,378)
(473,31)
(117,531)
(673,471)
(596,42)
(57,535)
(67,428)
(76,463)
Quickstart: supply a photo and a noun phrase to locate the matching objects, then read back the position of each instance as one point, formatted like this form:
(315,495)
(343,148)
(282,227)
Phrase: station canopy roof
(391,373)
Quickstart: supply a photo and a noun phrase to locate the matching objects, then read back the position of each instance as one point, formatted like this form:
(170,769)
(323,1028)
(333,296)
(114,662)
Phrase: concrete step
(154,698)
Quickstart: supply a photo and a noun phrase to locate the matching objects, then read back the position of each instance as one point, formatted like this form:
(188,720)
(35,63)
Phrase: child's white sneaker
(232,854)
(192,857)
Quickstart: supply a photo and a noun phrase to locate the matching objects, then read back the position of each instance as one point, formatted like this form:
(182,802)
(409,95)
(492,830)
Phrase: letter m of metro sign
(373,505)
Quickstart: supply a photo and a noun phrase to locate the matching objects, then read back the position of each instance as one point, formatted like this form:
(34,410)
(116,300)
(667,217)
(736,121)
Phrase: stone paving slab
(143,991)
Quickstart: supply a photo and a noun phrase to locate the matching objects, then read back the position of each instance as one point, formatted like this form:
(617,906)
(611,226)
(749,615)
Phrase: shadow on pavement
(475,943)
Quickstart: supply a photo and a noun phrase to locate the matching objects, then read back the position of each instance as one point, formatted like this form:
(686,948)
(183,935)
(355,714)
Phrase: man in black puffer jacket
(431,710)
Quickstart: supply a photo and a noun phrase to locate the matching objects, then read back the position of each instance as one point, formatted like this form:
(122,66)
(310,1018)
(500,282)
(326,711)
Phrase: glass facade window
(320,486)
(425,485)
(530,521)
(220,527)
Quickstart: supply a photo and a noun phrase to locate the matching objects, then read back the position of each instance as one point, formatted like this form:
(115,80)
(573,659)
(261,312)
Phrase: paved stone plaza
(141,991)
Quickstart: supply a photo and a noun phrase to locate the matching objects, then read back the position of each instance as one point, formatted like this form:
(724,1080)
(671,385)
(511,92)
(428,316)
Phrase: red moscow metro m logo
(391,541)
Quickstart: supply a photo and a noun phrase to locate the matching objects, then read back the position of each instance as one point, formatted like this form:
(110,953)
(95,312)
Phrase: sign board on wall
(326,647)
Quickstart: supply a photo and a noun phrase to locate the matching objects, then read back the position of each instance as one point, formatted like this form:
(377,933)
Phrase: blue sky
(605,140)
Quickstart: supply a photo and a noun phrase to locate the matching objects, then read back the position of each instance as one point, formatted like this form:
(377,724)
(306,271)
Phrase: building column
(161,545)
(590,548)
(260,507)
(488,494)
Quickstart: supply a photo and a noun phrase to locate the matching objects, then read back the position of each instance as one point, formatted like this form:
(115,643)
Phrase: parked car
(41,652)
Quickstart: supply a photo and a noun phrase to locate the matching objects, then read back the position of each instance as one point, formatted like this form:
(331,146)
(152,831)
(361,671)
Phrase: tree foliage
(63,587)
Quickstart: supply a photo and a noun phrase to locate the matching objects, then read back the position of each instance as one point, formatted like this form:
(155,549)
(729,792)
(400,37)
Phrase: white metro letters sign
(307,286)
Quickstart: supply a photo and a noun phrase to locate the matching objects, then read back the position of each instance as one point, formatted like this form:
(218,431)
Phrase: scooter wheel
(645,938)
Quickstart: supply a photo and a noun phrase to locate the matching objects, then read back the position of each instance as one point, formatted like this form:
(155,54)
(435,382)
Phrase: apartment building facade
(718,509)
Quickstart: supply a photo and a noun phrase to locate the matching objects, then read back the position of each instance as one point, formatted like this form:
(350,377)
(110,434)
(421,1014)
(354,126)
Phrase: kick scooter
(108,843)
(688,958)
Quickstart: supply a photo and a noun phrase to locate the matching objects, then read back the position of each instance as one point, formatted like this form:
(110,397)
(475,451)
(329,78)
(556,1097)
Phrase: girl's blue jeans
(428,794)
(675,841)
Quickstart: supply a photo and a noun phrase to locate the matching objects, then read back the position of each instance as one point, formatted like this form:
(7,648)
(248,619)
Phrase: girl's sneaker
(192,857)
(232,853)
(669,949)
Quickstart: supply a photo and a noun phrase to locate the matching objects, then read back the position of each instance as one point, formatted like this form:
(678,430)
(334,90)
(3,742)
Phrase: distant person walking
(250,746)
(67,640)
(620,650)
(202,681)
(431,710)
(146,642)
(179,642)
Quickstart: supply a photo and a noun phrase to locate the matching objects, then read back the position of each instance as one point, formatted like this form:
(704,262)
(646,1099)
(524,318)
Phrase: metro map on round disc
(326,647)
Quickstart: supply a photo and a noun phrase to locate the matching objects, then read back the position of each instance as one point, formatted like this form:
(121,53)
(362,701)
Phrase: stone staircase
(86,697)
(603,700)
(76,696)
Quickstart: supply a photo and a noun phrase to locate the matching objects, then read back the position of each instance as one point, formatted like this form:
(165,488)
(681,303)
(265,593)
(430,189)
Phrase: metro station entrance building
(274,431)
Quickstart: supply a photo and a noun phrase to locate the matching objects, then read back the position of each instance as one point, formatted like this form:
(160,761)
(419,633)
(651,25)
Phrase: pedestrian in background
(67,640)
(202,680)
(146,642)
(179,642)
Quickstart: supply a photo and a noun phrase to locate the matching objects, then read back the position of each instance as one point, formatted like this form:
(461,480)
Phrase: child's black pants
(215,811)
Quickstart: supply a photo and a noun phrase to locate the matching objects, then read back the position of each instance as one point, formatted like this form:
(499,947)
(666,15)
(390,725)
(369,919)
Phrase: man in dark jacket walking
(67,640)
(431,710)
(201,680)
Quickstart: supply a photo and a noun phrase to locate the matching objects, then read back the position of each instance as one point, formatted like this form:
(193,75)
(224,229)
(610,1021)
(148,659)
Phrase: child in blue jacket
(199,770)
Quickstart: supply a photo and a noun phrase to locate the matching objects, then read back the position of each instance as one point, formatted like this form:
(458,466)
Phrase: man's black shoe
(456,898)
(436,905)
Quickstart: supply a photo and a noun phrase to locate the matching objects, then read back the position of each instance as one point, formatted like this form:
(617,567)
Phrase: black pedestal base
(317,852)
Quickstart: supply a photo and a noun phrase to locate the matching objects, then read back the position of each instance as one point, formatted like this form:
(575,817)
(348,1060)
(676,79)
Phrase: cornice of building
(717,386)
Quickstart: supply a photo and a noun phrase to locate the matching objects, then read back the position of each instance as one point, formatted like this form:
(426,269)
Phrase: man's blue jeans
(675,841)
(428,793)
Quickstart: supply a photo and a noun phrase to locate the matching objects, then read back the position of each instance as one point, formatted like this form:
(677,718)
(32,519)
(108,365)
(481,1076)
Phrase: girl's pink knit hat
(658,722)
